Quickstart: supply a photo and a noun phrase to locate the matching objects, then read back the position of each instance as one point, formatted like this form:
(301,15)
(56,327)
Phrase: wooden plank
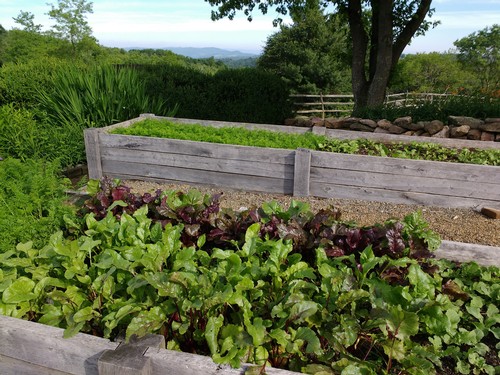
(318,130)
(178,363)
(128,358)
(326,190)
(127,123)
(204,149)
(92,151)
(418,168)
(302,171)
(273,168)
(405,183)
(45,346)
(11,366)
(26,346)
(382,137)
(183,175)
(465,252)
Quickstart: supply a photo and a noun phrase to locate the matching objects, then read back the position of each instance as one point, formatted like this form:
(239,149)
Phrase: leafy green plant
(20,82)
(264,138)
(97,96)
(27,134)
(258,303)
(32,207)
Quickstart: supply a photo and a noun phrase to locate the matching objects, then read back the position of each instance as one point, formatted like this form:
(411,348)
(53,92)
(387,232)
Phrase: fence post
(322,106)
(302,172)
(128,359)
(93,153)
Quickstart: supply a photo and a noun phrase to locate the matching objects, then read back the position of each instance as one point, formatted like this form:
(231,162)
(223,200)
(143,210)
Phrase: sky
(187,23)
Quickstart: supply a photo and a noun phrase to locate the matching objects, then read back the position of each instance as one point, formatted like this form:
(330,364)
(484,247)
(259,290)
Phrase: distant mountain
(207,52)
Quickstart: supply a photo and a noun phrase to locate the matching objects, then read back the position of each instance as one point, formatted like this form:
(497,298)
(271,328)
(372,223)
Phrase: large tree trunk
(375,55)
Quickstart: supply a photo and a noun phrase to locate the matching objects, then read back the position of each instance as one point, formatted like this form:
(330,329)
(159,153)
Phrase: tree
(27,21)
(71,20)
(379,29)
(479,52)
(311,55)
(429,72)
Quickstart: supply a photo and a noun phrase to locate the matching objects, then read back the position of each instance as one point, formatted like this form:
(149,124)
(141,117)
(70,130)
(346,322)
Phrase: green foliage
(24,135)
(249,95)
(257,300)
(225,135)
(20,82)
(96,96)
(479,53)
(429,73)
(27,21)
(20,46)
(71,23)
(310,55)
(475,105)
(264,138)
(31,202)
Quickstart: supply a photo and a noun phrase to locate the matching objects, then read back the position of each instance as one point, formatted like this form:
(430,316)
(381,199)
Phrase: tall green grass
(97,96)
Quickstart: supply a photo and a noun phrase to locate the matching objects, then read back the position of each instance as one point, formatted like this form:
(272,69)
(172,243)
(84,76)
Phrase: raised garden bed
(299,172)
(28,348)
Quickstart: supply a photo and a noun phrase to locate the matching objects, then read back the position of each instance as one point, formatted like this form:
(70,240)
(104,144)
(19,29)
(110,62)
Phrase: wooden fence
(329,104)
(299,172)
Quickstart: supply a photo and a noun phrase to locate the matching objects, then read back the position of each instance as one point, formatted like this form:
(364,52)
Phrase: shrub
(26,134)
(249,95)
(19,83)
(31,202)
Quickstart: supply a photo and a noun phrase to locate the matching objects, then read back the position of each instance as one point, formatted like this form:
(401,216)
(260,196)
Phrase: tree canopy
(379,30)
(71,20)
(480,52)
(312,54)
(27,21)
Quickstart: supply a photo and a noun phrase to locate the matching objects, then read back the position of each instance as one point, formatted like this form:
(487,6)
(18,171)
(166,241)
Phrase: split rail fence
(325,105)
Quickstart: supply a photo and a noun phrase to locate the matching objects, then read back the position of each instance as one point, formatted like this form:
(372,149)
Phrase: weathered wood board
(403,181)
(28,348)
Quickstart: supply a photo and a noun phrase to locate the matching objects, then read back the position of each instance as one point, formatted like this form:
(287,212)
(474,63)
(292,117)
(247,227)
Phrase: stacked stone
(458,127)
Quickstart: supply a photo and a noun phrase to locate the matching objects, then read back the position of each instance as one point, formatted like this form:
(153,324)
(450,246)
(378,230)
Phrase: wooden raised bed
(28,348)
(299,172)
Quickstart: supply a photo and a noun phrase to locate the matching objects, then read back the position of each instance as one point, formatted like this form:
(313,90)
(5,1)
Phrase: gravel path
(461,225)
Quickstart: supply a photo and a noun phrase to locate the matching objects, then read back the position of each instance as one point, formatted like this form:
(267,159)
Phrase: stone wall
(458,127)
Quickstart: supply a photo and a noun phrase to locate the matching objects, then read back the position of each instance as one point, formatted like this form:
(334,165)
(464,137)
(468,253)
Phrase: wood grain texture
(272,168)
(302,171)
(92,151)
(131,171)
(128,358)
(45,346)
(465,252)
(328,190)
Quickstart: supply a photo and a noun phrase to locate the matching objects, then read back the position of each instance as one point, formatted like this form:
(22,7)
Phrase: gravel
(452,224)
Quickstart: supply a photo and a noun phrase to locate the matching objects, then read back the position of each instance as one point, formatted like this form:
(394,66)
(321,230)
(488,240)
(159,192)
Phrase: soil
(452,224)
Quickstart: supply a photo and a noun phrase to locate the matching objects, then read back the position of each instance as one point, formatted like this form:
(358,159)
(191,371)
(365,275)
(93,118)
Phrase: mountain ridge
(205,52)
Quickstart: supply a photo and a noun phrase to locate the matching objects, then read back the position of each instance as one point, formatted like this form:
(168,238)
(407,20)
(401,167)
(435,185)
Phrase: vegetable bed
(301,172)
(274,286)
